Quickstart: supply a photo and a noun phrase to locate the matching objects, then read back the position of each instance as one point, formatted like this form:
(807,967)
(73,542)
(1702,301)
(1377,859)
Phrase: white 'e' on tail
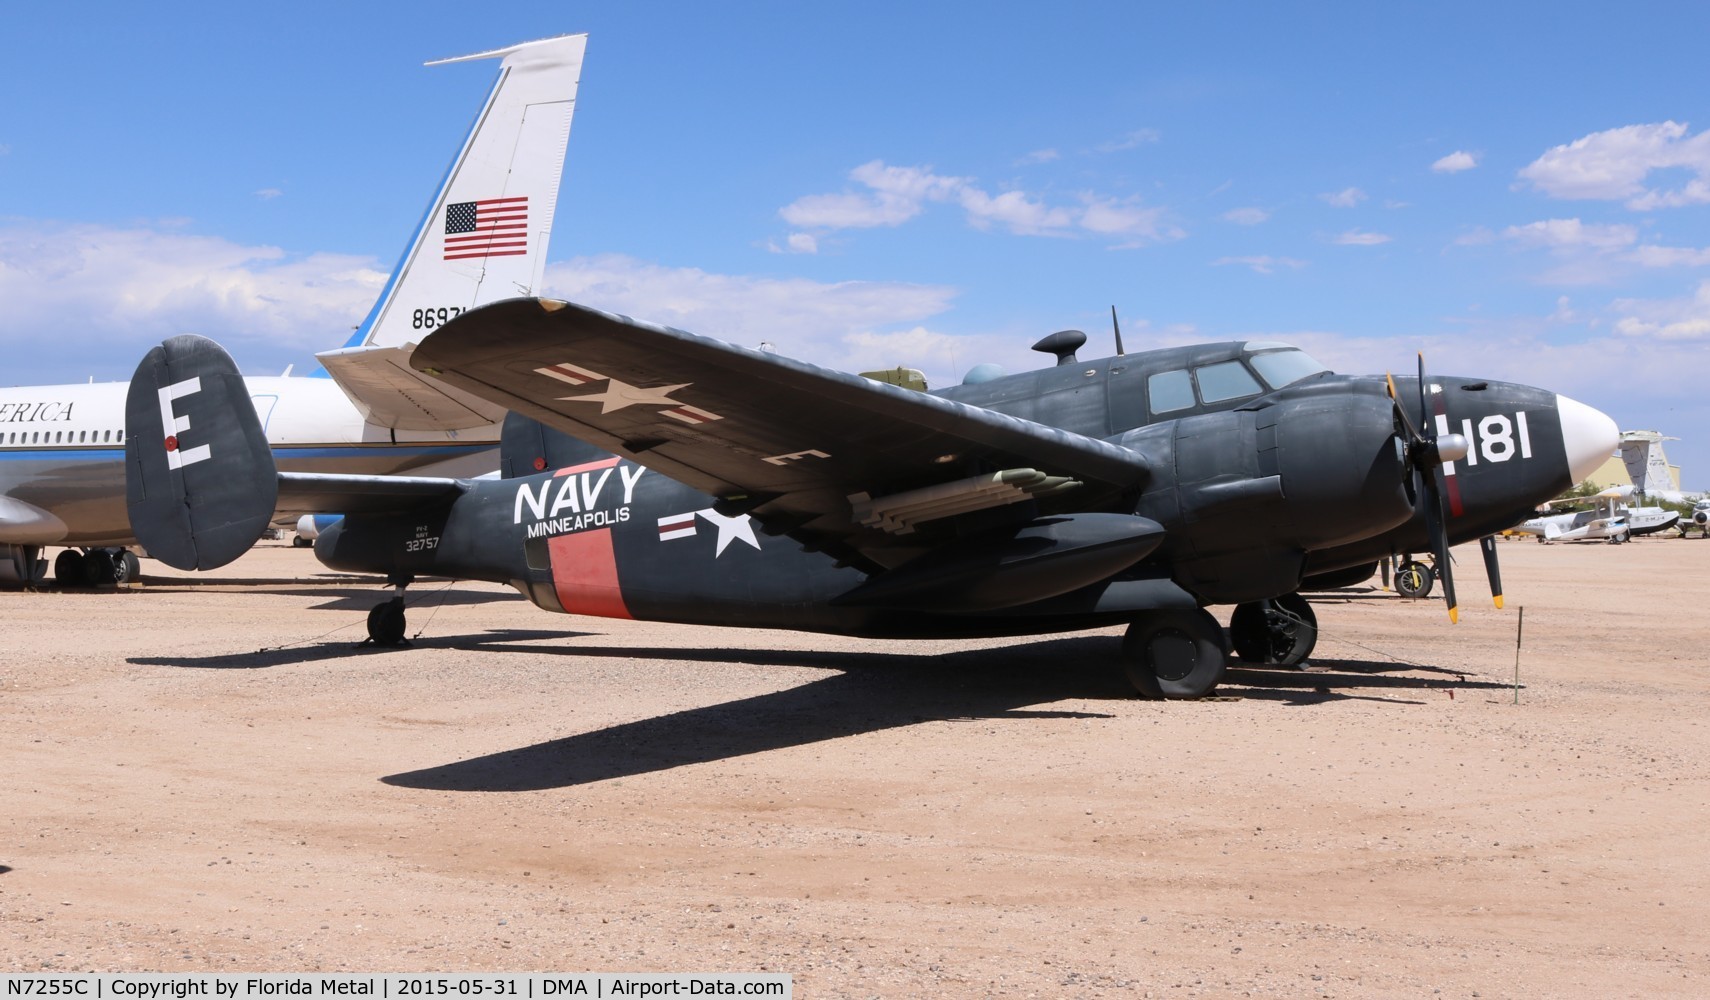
(484,238)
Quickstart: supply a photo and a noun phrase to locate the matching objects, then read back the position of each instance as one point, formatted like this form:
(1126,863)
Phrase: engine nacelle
(1258,488)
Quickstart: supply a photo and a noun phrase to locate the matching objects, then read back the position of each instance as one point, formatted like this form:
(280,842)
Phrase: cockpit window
(1280,368)
(1170,391)
(1225,380)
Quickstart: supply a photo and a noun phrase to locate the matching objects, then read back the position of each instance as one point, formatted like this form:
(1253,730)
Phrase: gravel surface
(206,774)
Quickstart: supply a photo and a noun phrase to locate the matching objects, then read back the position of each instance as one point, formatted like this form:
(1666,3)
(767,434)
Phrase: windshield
(1280,368)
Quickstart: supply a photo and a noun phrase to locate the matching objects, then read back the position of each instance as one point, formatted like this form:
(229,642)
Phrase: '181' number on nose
(1495,439)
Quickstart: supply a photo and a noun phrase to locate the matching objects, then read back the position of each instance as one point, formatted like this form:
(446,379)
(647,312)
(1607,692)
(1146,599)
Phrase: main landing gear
(386,620)
(1175,654)
(1281,631)
(96,567)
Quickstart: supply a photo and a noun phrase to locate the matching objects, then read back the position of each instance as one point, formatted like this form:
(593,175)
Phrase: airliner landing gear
(96,567)
(23,564)
(386,620)
(1280,631)
(1175,654)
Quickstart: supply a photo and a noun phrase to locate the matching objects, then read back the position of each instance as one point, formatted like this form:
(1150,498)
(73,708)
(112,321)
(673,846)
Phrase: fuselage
(62,476)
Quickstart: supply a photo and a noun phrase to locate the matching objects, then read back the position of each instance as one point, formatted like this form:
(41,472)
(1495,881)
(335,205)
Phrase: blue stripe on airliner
(283,451)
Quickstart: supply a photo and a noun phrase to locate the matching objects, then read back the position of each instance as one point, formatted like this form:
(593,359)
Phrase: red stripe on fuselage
(604,463)
(584,572)
(584,564)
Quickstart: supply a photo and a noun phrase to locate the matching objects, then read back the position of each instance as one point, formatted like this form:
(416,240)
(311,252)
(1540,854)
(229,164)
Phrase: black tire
(1414,579)
(130,567)
(386,623)
(299,542)
(1282,632)
(1175,654)
(100,569)
(68,569)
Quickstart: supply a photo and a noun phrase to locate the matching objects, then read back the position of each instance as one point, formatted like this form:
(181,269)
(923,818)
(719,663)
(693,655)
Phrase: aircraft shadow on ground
(327,648)
(869,692)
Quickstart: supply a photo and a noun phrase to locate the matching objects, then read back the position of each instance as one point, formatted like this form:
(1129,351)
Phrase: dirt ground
(204,774)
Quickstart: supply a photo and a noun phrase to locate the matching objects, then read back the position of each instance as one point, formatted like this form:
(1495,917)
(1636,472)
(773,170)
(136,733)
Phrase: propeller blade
(1440,541)
(1488,544)
(1424,419)
(1413,435)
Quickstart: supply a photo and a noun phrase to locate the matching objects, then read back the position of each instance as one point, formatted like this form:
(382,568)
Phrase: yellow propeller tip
(1499,602)
(1454,616)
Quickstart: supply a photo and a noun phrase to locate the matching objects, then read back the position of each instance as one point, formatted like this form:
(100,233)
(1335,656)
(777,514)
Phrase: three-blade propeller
(1425,453)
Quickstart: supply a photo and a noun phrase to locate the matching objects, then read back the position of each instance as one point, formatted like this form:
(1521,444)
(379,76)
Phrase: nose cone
(1589,437)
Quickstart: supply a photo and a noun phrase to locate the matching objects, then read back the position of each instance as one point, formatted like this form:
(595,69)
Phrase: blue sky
(1522,191)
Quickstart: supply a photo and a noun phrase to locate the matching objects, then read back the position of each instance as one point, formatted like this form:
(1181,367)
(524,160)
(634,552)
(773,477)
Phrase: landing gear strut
(386,620)
(1280,631)
(1175,654)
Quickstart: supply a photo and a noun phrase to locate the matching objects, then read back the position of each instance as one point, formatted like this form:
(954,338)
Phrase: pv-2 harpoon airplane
(712,484)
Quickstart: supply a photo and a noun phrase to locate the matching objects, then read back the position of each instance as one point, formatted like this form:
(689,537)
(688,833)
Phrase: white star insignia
(730,528)
(619,394)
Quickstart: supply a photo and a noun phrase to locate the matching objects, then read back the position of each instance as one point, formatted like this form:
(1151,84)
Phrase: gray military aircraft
(700,482)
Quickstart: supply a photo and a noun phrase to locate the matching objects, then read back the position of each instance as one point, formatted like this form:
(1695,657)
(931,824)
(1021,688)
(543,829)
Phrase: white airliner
(62,477)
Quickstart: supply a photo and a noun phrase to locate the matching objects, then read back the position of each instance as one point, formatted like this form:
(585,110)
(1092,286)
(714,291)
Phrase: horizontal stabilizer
(325,493)
(389,393)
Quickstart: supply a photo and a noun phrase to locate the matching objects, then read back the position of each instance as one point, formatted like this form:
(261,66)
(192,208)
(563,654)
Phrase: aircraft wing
(824,456)
(388,392)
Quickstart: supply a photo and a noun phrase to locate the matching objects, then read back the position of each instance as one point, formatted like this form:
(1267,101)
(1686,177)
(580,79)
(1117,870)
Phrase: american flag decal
(494,227)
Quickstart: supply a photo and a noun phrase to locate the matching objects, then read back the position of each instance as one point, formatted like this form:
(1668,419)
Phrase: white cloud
(1138,137)
(895,195)
(1247,216)
(1129,218)
(1658,256)
(268,194)
(1456,162)
(1264,264)
(127,287)
(1016,212)
(1360,238)
(1568,234)
(1038,156)
(1613,165)
(1345,198)
(795,243)
(1666,319)
(841,325)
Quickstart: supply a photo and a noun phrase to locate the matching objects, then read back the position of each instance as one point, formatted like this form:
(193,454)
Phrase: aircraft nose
(1589,437)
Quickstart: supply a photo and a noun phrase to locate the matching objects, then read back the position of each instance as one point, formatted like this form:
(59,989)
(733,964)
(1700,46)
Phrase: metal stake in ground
(1519,628)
